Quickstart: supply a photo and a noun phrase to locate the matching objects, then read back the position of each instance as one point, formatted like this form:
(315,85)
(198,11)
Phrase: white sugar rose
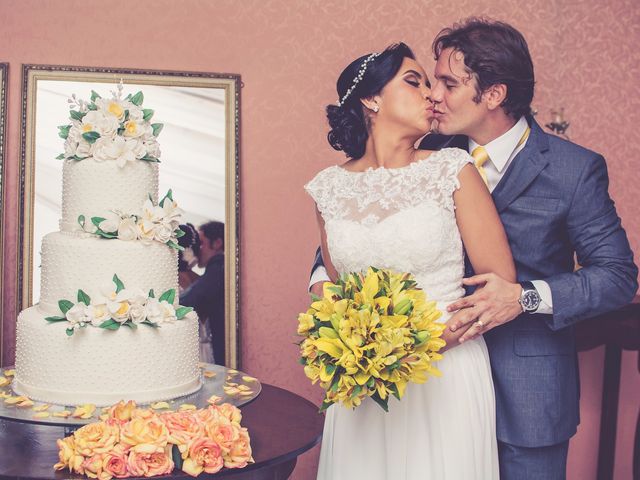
(119,149)
(111,107)
(128,229)
(135,129)
(96,121)
(84,149)
(153,311)
(77,314)
(98,314)
(168,312)
(119,307)
(137,296)
(170,211)
(152,147)
(137,313)
(146,231)
(110,223)
(163,232)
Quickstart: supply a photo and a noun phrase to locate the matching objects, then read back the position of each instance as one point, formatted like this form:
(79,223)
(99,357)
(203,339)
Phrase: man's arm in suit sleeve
(318,272)
(608,277)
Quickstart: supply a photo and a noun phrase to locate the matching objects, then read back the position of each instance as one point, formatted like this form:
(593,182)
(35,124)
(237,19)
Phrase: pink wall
(289,55)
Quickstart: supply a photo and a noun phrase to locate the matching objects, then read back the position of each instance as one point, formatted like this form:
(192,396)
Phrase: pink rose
(204,455)
(147,460)
(240,454)
(114,463)
(230,411)
(183,427)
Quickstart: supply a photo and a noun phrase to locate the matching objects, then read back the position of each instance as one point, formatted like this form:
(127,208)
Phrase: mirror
(198,162)
(4,69)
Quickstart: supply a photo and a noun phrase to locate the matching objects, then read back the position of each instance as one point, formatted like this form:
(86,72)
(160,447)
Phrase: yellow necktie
(480,155)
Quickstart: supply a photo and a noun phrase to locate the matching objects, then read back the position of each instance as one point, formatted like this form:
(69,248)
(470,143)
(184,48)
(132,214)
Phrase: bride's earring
(376,108)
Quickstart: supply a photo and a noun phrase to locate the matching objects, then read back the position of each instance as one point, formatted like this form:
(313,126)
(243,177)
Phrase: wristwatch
(529,298)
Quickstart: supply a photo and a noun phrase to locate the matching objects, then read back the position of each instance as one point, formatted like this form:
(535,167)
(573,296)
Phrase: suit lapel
(524,168)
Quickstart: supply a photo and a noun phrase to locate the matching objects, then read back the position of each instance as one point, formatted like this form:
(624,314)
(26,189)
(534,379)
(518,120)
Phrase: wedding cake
(108,326)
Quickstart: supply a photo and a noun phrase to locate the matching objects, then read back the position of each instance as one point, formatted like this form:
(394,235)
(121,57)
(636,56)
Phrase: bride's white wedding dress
(403,219)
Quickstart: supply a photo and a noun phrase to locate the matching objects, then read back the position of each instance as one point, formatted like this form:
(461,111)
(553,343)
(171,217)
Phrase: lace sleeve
(455,160)
(321,189)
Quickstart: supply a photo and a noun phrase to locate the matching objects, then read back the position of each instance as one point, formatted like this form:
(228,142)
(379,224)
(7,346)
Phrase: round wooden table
(281,424)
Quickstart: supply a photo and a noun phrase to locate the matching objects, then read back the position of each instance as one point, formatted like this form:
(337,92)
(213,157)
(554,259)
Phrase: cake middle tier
(92,188)
(71,262)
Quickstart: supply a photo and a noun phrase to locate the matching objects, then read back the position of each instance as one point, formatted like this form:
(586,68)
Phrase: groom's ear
(495,95)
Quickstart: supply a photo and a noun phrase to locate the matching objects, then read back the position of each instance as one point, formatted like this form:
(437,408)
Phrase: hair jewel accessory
(358,78)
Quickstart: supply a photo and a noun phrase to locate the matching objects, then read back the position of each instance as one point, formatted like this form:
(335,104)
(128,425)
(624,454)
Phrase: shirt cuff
(546,300)
(319,275)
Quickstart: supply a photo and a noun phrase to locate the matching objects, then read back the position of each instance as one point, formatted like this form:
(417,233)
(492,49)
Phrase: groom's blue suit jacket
(553,201)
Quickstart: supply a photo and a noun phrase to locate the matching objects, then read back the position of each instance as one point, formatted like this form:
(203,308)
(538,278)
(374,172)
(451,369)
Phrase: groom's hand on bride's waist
(494,302)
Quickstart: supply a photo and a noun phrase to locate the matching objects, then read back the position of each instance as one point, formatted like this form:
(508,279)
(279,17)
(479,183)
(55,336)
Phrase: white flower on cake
(116,129)
(158,223)
(113,308)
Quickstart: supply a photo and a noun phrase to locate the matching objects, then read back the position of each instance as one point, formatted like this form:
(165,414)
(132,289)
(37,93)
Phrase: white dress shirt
(502,151)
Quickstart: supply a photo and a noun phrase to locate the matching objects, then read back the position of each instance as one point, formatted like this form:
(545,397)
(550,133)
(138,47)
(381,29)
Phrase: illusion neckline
(413,164)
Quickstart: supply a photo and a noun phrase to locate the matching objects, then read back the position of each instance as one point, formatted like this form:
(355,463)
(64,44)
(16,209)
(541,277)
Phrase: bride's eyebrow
(413,72)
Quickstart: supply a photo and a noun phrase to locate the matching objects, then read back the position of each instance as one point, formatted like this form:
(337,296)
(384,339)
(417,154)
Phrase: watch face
(530,300)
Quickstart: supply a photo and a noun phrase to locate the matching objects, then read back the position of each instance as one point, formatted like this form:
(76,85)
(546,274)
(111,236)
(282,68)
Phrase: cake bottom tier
(101,366)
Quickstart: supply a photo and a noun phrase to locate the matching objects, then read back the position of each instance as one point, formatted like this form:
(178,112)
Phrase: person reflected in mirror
(206,294)
(187,260)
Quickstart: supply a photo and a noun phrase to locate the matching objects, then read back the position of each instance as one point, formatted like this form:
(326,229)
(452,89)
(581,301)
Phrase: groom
(552,197)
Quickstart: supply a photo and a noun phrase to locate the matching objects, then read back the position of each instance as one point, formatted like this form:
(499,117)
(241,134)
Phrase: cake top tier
(116,129)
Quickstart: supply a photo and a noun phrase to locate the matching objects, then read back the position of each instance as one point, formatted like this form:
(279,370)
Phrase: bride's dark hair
(347,121)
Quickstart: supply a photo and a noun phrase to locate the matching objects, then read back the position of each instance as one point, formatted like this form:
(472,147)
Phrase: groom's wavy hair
(494,53)
(349,123)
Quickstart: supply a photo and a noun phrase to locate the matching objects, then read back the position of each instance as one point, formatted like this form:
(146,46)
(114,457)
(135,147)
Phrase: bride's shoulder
(323,181)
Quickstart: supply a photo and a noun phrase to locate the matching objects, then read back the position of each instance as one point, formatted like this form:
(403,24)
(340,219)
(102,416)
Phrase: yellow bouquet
(368,336)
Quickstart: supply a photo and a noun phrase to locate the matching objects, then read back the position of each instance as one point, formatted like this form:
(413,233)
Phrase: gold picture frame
(227,86)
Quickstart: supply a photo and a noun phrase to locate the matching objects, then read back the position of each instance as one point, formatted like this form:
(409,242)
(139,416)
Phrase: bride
(392,206)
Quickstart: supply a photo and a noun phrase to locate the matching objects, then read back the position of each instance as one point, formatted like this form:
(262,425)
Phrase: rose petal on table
(62,414)
(26,403)
(213,399)
(9,373)
(232,371)
(5,395)
(231,384)
(13,400)
(243,388)
(187,406)
(4,381)
(247,378)
(41,408)
(160,405)
(42,415)
(84,411)
(231,390)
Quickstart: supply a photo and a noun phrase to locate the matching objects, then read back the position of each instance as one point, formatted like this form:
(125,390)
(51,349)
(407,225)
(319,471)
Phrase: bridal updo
(348,120)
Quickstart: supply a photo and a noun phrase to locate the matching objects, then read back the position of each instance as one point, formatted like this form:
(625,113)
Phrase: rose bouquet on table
(130,441)
(368,336)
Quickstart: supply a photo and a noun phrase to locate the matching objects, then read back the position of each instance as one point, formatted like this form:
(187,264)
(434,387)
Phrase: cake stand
(231,386)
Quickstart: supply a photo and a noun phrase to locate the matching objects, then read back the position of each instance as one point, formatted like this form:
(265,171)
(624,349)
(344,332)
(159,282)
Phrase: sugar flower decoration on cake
(159,223)
(114,306)
(115,129)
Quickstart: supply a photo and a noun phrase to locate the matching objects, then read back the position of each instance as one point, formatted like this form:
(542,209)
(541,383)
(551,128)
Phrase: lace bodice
(402,219)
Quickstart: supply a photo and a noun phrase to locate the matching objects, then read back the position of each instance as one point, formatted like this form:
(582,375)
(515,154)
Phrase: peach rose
(92,465)
(183,427)
(114,463)
(144,430)
(97,437)
(204,455)
(149,460)
(208,414)
(230,411)
(68,456)
(224,433)
(240,454)
(122,411)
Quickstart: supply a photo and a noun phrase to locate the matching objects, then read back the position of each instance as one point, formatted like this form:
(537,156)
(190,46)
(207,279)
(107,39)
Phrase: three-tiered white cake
(112,265)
